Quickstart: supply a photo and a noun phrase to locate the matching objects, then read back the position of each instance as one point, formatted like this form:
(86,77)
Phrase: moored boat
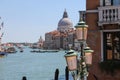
(43,51)
(11,50)
(3,54)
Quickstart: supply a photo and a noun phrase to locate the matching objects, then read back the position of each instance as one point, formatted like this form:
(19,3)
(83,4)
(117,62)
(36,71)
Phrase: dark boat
(21,50)
(43,51)
(11,50)
(3,54)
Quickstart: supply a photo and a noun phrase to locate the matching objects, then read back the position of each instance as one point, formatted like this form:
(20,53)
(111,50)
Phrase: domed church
(65,24)
(63,36)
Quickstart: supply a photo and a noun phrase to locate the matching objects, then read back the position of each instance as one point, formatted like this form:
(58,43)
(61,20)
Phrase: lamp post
(84,58)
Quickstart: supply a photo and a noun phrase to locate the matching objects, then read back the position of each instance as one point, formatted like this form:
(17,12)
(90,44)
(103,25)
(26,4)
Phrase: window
(107,2)
(111,46)
(116,2)
(111,2)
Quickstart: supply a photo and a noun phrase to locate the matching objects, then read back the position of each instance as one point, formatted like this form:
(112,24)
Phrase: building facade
(40,42)
(103,18)
(63,36)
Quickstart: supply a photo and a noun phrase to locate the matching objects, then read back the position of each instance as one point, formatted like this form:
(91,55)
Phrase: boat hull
(3,53)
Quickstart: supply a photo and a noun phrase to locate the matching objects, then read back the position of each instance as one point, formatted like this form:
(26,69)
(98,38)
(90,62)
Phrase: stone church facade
(63,37)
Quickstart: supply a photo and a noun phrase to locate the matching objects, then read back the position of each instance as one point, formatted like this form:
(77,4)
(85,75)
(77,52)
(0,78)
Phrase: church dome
(65,23)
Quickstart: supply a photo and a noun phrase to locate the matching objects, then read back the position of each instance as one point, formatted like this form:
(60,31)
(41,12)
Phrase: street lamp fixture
(78,64)
(81,31)
(88,55)
(71,59)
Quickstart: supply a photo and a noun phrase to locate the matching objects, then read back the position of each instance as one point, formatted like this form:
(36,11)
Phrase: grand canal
(35,66)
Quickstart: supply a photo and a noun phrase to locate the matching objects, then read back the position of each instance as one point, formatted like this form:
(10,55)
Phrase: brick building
(103,19)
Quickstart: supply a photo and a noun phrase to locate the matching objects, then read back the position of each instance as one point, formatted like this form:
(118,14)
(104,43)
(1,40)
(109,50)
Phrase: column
(101,2)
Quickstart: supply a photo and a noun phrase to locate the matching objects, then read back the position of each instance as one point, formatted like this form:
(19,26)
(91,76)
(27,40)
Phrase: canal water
(35,66)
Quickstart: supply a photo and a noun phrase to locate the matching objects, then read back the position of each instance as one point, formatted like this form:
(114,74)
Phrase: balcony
(109,15)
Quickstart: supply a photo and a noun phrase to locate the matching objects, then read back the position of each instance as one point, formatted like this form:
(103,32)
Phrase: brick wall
(92,4)
(94,41)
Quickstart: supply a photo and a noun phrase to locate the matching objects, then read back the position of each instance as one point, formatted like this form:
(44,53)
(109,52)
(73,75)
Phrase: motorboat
(3,53)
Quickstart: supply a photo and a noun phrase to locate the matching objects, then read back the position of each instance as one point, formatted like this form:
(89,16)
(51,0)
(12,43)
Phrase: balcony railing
(109,15)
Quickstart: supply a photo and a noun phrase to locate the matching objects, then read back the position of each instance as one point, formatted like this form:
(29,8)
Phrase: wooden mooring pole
(24,78)
(66,73)
(56,74)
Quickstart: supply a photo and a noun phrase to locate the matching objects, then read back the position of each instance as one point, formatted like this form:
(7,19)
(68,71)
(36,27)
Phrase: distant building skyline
(27,20)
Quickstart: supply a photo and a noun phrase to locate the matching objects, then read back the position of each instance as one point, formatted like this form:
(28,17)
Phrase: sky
(27,20)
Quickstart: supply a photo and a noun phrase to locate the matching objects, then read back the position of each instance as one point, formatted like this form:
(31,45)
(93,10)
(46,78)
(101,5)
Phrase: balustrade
(109,15)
